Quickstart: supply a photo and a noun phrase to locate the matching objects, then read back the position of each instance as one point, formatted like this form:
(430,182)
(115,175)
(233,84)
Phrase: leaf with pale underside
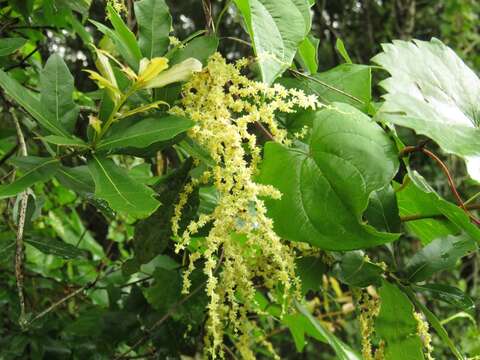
(433,92)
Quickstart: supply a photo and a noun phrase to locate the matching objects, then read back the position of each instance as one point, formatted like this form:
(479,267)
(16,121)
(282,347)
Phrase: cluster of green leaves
(100,203)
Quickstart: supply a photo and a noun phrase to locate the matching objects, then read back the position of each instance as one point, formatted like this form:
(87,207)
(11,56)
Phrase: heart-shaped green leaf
(326,185)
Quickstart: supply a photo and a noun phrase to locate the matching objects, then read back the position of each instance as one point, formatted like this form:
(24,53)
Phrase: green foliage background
(122,274)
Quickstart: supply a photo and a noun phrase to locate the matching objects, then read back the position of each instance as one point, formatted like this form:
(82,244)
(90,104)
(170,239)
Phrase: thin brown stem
(412,149)
(207,10)
(19,246)
(23,61)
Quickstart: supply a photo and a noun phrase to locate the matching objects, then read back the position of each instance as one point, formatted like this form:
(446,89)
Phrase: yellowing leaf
(179,72)
(149,69)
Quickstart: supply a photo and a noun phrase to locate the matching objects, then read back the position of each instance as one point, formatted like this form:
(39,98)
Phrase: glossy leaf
(146,132)
(427,93)
(326,187)
(30,103)
(276,27)
(382,212)
(419,199)
(355,269)
(123,194)
(396,325)
(56,91)
(39,170)
(448,294)
(9,45)
(77,179)
(154,23)
(440,254)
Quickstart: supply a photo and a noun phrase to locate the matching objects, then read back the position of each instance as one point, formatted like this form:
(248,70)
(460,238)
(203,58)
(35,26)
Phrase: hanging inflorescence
(225,105)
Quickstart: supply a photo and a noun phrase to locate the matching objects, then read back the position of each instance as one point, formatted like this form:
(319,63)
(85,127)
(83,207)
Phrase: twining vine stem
(19,246)
(412,149)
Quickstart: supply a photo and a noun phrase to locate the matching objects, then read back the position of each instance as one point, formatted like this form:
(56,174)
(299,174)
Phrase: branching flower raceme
(225,105)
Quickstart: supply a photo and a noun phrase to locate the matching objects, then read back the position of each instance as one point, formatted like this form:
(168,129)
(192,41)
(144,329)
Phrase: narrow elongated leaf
(9,45)
(427,93)
(276,28)
(55,247)
(65,141)
(127,38)
(326,187)
(307,54)
(154,23)
(123,194)
(30,103)
(449,294)
(56,91)
(41,169)
(146,132)
(342,350)
(440,254)
(397,326)
(435,323)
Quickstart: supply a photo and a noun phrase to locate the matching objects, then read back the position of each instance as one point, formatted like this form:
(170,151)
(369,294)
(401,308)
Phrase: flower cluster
(226,106)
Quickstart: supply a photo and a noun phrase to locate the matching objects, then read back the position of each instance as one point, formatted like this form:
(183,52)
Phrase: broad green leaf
(77,179)
(382,211)
(355,269)
(200,48)
(307,54)
(276,27)
(65,141)
(56,91)
(449,294)
(342,350)
(299,326)
(9,45)
(55,247)
(415,199)
(325,186)
(440,254)
(310,270)
(434,93)
(40,170)
(30,103)
(146,132)
(123,194)
(154,23)
(348,83)
(396,325)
